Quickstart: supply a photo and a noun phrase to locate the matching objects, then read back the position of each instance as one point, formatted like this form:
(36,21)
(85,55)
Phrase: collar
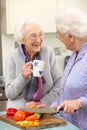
(82,52)
(23,53)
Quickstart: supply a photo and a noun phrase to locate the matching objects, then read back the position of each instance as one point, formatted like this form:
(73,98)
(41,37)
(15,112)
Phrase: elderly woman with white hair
(71,26)
(21,86)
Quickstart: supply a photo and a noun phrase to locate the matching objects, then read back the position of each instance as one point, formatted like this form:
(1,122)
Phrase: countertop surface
(5,126)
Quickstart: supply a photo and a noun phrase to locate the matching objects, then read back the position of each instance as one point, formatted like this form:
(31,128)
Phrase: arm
(15,82)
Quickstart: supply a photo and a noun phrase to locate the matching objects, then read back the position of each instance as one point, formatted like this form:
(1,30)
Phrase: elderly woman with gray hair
(71,26)
(21,86)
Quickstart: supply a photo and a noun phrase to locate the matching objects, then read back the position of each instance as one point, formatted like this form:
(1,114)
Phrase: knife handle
(61,109)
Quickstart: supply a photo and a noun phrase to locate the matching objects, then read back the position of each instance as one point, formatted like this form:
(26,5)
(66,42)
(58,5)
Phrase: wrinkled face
(69,40)
(33,39)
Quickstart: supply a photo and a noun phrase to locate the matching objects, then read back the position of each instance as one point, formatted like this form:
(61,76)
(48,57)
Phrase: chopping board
(47,121)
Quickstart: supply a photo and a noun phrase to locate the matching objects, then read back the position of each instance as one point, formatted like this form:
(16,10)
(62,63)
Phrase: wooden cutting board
(47,121)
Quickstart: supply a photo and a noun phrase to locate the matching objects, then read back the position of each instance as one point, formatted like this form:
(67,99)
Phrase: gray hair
(20,31)
(72,21)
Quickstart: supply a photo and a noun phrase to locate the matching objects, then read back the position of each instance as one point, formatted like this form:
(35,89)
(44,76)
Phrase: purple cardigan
(74,85)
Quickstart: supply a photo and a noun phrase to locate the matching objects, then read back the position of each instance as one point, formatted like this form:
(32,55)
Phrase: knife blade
(41,110)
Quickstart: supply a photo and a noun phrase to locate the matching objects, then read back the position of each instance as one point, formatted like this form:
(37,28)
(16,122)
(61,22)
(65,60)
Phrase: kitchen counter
(69,126)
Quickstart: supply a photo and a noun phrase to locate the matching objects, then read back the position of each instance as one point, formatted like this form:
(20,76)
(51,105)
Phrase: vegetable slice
(33,117)
(10,112)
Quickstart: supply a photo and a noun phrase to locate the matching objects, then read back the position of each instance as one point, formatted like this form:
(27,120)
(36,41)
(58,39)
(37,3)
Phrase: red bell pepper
(10,112)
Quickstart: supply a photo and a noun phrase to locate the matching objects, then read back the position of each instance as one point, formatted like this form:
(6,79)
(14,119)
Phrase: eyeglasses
(35,36)
(60,35)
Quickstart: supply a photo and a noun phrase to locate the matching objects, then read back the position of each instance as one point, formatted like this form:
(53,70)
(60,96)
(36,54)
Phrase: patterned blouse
(74,85)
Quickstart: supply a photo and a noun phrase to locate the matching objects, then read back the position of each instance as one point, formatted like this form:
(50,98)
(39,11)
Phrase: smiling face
(33,39)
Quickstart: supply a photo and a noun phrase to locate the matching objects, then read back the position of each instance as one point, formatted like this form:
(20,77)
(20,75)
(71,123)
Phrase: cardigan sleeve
(53,77)
(14,84)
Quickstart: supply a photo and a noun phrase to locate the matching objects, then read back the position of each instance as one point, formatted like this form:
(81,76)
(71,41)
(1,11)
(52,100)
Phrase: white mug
(38,68)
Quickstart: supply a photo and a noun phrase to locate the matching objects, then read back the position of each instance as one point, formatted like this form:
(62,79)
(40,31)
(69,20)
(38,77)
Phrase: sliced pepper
(33,117)
(30,113)
(28,123)
(10,112)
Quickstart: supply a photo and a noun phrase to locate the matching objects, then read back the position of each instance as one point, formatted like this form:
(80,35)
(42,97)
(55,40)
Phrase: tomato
(19,115)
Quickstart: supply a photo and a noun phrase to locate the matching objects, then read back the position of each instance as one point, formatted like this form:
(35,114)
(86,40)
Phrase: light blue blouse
(74,85)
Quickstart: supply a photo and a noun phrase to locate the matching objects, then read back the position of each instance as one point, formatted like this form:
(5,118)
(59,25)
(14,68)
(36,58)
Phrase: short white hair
(20,30)
(72,21)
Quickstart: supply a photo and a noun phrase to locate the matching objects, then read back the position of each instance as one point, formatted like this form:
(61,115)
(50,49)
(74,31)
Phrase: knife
(41,110)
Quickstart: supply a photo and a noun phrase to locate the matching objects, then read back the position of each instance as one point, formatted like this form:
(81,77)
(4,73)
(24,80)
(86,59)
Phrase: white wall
(64,4)
(7,46)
